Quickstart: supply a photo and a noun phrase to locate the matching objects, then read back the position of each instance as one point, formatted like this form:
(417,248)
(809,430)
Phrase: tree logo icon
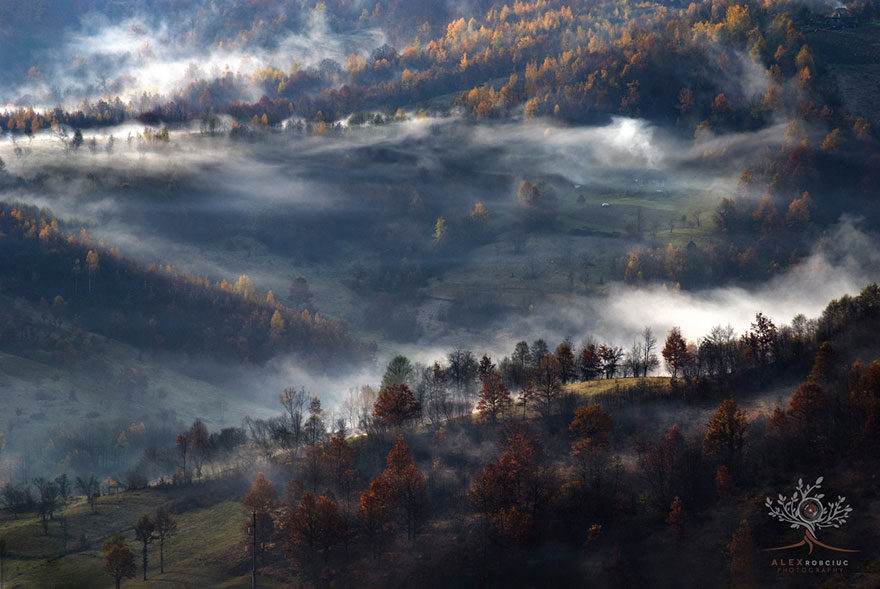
(805,509)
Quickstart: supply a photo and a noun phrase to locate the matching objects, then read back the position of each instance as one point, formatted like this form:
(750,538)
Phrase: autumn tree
(407,486)
(118,559)
(339,458)
(675,351)
(726,433)
(807,410)
(143,533)
(565,358)
(165,527)
(494,398)
(262,499)
(509,492)
(396,406)
(375,512)
(315,529)
(591,425)
(590,364)
(742,551)
(675,519)
(91,266)
(590,429)
(276,326)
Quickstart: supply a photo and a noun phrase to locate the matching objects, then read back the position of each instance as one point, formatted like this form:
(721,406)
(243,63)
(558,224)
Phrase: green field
(209,541)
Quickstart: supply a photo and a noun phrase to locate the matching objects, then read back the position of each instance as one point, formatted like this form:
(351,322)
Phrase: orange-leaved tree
(726,433)
(396,406)
(262,499)
(494,398)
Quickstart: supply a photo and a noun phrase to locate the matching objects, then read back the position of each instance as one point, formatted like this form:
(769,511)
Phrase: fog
(277,204)
(212,206)
(101,57)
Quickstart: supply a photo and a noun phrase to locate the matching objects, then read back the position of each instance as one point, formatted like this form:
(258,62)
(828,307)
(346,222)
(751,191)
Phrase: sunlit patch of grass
(612,385)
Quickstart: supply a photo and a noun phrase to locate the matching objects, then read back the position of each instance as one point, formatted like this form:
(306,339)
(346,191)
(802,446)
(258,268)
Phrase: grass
(198,556)
(598,387)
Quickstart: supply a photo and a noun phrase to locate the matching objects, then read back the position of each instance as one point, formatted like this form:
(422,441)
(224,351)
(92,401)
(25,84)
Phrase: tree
(245,287)
(649,359)
(314,426)
(485,368)
(398,371)
(396,406)
(590,364)
(509,491)
(374,512)
(611,357)
(262,499)
(183,447)
(118,559)
(548,384)
(742,550)
(565,358)
(726,433)
(299,294)
(294,402)
(166,527)
(761,339)
(807,404)
(462,370)
(200,445)
(407,486)
(526,396)
(675,351)
(276,326)
(591,425)
(675,519)
(494,398)
(315,529)
(91,266)
(48,501)
(77,140)
(143,533)
(89,487)
(440,230)
(340,465)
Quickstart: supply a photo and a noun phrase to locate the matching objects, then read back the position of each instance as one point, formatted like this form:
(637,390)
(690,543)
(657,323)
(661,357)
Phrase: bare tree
(166,526)
(649,346)
(294,402)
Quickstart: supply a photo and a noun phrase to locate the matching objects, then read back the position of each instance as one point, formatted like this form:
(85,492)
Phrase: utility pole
(2,556)
(254,572)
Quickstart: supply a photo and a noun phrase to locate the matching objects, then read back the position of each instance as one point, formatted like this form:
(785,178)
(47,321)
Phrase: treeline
(576,61)
(154,307)
(556,479)
(490,496)
(774,218)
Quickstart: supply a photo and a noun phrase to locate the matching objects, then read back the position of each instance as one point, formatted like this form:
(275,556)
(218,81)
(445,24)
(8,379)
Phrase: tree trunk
(145,561)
